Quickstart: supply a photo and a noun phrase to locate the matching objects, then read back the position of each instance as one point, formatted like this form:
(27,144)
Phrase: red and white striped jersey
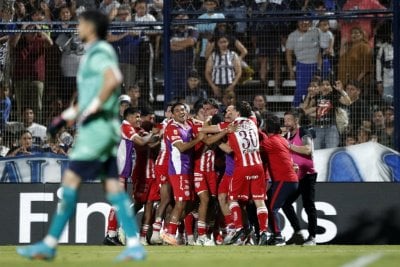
(150,174)
(245,143)
(207,160)
(162,158)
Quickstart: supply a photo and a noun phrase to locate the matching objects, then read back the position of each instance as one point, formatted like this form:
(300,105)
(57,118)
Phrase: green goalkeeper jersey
(97,139)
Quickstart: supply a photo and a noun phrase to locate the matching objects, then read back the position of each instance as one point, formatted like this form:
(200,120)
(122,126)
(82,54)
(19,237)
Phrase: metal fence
(274,54)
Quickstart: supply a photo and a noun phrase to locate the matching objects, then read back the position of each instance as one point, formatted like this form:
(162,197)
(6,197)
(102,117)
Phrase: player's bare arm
(226,148)
(183,146)
(305,149)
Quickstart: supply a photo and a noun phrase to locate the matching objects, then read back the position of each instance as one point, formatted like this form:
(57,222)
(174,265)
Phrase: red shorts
(161,172)
(248,183)
(223,186)
(205,181)
(154,190)
(181,186)
(146,190)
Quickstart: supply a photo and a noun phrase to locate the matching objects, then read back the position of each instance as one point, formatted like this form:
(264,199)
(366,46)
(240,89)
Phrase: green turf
(230,256)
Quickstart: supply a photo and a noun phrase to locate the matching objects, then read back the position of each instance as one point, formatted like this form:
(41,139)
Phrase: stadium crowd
(38,67)
(343,72)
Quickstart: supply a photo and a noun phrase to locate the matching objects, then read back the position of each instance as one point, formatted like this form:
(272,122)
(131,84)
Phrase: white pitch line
(364,261)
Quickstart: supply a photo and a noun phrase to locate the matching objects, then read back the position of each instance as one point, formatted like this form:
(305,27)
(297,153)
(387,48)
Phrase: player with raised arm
(180,144)
(126,159)
(248,181)
(95,148)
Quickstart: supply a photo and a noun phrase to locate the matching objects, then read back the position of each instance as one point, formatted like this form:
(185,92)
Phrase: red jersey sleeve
(128,132)
(223,125)
(172,134)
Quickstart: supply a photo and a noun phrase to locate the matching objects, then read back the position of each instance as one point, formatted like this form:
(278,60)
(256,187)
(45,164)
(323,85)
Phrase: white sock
(50,241)
(132,242)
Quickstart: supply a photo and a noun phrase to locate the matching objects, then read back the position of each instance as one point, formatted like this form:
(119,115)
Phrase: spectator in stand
(327,135)
(384,68)
(136,100)
(57,5)
(302,43)
(260,104)
(29,68)
(358,111)
(194,91)
(351,139)
(6,16)
(365,23)
(326,42)
(267,38)
(363,135)
(24,146)
(309,104)
(72,50)
(108,7)
(228,99)
(20,11)
(182,42)
(149,47)
(320,8)
(383,134)
(127,46)
(236,9)
(206,30)
(355,62)
(4,148)
(223,68)
(38,131)
(124,103)
(5,106)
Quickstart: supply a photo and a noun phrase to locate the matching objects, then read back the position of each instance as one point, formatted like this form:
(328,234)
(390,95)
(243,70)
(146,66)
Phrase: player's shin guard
(65,210)
(262,216)
(125,216)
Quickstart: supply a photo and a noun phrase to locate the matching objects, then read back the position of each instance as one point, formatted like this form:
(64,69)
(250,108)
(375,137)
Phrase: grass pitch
(220,256)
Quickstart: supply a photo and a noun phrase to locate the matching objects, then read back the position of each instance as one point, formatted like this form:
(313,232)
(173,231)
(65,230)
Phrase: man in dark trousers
(301,148)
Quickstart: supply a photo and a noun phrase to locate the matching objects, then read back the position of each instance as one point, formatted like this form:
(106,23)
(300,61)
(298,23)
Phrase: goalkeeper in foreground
(94,153)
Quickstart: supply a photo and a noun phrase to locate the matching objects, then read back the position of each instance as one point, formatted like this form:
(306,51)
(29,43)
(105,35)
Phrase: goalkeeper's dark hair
(130,111)
(99,21)
(244,108)
(273,125)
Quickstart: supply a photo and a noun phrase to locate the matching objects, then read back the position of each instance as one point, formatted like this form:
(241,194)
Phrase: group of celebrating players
(203,178)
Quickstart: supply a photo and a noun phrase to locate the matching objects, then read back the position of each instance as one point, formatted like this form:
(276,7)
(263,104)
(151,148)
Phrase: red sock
(112,221)
(189,219)
(201,228)
(144,229)
(172,227)
(236,213)
(157,226)
(262,215)
(228,220)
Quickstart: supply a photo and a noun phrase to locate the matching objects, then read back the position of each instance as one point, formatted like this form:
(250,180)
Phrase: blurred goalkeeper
(94,153)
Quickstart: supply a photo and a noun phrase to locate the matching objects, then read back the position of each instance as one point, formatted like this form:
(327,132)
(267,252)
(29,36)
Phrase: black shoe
(263,239)
(111,241)
(276,240)
(238,235)
(296,239)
